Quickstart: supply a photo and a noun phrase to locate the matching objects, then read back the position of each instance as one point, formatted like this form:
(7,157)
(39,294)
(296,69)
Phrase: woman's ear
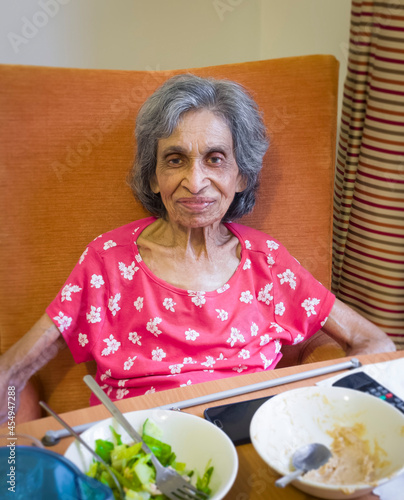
(241,183)
(154,185)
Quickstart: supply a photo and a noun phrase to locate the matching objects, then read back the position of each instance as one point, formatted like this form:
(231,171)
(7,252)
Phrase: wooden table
(254,480)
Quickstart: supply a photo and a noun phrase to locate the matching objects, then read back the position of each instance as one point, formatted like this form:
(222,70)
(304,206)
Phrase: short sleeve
(79,308)
(301,303)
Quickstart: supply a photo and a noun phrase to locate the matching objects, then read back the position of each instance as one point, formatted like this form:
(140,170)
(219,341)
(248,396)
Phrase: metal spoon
(308,457)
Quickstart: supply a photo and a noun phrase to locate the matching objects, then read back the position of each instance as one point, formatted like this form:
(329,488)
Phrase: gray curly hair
(160,115)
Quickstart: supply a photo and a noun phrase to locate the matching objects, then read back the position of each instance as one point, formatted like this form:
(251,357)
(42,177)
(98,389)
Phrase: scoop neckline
(223,289)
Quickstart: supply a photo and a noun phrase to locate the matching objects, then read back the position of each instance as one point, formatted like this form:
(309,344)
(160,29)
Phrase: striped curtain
(368,246)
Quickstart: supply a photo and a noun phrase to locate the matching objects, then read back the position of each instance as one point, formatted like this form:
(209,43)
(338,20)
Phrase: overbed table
(254,480)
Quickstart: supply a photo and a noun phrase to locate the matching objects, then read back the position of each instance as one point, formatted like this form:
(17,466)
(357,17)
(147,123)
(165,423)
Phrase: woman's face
(196,174)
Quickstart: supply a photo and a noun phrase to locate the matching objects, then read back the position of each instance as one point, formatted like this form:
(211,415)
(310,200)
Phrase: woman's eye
(174,160)
(215,159)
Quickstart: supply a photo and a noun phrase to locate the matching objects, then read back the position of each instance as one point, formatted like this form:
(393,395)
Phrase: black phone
(234,419)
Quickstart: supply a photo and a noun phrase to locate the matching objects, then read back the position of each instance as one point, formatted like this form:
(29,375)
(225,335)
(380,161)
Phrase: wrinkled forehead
(199,128)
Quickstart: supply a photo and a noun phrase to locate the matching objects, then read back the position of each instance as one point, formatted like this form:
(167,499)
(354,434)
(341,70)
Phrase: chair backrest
(67,144)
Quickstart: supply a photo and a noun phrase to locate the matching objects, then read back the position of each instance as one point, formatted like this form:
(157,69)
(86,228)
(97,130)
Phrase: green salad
(134,469)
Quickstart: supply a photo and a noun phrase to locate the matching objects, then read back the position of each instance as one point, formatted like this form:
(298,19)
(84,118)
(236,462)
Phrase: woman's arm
(355,334)
(41,344)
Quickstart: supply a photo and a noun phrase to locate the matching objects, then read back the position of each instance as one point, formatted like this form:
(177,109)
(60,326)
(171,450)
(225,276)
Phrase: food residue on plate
(352,461)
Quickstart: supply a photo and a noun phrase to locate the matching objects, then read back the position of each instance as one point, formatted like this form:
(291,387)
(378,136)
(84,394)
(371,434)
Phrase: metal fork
(168,481)
(88,447)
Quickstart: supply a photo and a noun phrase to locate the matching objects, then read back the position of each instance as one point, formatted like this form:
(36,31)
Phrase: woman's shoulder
(254,239)
(121,236)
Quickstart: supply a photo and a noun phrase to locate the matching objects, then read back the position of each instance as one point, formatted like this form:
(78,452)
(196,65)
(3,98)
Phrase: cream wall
(168,34)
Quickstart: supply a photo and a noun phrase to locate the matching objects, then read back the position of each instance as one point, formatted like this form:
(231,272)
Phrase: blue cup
(31,473)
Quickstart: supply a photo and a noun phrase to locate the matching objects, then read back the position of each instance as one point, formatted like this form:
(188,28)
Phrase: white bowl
(305,415)
(194,440)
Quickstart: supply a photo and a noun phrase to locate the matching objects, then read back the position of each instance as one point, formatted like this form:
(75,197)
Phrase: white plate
(194,440)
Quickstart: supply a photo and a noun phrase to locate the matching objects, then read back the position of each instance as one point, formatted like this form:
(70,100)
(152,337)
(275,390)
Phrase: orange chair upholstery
(67,144)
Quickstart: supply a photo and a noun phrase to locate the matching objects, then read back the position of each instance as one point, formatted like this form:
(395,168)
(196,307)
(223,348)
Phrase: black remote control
(364,383)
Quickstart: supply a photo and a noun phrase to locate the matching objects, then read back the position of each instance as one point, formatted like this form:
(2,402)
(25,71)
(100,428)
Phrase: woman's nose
(195,178)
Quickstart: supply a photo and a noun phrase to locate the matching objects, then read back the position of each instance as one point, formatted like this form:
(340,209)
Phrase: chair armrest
(29,408)
(319,347)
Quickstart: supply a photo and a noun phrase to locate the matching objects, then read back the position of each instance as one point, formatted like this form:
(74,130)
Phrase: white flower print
(223,288)
(221,357)
(128,272)
(152,326)
(198,298)
(122,382)
(267,362)
(169,304)
(288,277)
(246,297)
(247,244)
(324,321)
(188,361)
(129,363)
(138,303)
(272,245)
(309,304)
(106,374)
(83,340)
(222,314)
(278,346)
(121,393)
(83,256)
(158,354)
(209,371)
(138,257)
(135,230)
(299,338)
(279,309)
(113,304)
(244,353)
(240,368)
(68,290)
(109,244)
(264,295)
(63,321)
(175,368)
(191,334)
(135,338)
(94,316)
(247,264)
(235,336)
(265,339)
(109,390)
(152,390)
(277,327)
(270,260)
(254,329)
(112,346)
(189,382)
(97,281)
(210,361)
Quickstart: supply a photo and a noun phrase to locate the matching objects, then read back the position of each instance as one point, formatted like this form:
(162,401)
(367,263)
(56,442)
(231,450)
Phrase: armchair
(67,144)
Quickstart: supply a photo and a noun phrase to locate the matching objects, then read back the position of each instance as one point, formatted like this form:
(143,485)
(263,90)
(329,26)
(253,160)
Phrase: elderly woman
(187,295)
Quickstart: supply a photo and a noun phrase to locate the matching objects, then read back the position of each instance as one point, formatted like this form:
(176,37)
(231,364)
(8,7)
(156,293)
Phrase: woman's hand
(26,357)
(355,334)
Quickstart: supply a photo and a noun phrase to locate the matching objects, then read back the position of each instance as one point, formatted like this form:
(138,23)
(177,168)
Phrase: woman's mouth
(197,204)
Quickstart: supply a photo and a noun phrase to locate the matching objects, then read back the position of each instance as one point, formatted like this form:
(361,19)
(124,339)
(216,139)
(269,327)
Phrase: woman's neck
(190,258)
(194,242)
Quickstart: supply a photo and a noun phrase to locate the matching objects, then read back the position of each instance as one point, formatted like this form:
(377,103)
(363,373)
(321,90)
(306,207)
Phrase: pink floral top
(147,335)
